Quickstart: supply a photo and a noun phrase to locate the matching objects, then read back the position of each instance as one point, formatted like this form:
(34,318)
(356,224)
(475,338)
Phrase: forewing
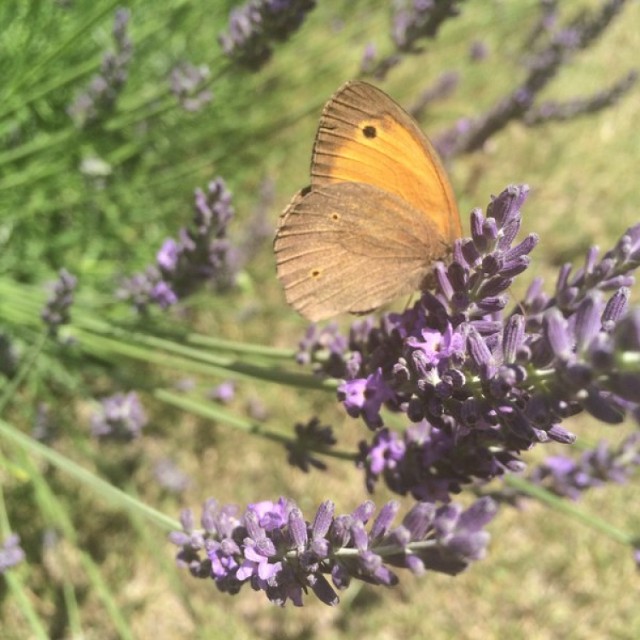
(365,136)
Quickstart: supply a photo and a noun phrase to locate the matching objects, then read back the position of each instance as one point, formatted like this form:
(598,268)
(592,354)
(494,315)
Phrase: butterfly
(379,211)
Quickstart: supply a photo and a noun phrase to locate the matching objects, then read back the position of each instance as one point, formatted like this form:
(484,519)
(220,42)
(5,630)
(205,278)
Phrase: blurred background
(105,136)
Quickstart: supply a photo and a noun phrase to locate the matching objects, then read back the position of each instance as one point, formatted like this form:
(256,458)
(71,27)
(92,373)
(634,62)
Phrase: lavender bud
(384,519)
(470,253)
(563,277)
(522,249)
(492,304)
(494,286)
(557,334)
(322,521)
(601,352)
(615,308)
(419,519)
(509,232)
(477,229)
(587,319)
(56,311)
(506,206)
(480,354)
(11,553)
(515,267)
(443,281)
(457,276)
(298,529)
(490,231)
(512,337)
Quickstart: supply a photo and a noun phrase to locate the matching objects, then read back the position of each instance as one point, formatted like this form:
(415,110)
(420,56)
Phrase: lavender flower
(471,134)
(417,19)
(170,476)
(274,549)
(560,111)
(310,437)
(56,310)
(332,354)
(413,21)
(478,51)
(101,95)
(224,392)
(11,553)
(200,254)
(604,463)
(120,417)
(188,85)
(139,289)
(256,25)
(481,384)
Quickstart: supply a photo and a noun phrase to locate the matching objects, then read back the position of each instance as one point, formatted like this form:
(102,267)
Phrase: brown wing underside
(333,259)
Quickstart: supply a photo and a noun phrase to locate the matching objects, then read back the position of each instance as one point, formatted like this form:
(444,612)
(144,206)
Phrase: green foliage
(100,199)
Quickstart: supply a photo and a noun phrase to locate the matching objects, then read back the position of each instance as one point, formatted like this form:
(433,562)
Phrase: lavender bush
(476,384)
(447,398)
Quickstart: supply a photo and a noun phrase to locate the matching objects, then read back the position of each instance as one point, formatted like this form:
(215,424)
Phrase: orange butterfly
(379,211)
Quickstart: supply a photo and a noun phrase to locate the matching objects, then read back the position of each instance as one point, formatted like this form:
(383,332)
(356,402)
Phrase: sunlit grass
(546,576)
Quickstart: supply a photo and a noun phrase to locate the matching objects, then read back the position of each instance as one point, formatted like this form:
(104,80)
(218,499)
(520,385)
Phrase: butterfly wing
(364,136)
(352,247)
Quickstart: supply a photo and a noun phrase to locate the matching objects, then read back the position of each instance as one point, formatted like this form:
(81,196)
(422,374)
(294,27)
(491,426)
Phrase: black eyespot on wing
(369,132)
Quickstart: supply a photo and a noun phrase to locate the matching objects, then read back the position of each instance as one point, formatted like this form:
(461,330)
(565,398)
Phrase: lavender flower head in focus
(274,549)
(478,384)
